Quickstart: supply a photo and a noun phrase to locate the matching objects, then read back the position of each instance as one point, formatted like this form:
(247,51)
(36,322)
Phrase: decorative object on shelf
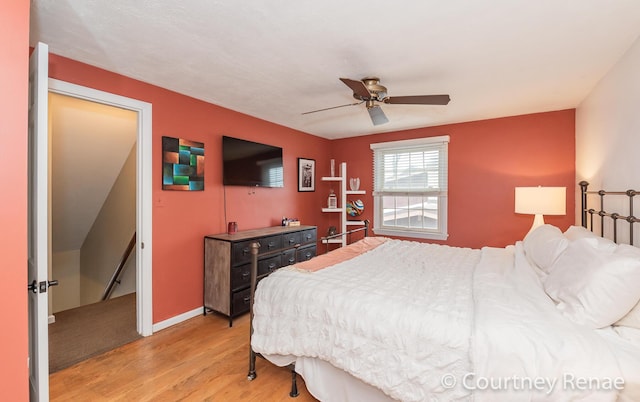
(306,174)
(290,222)
(332,231)
(355,208)
(182,164)
(333,168)
(354,183)
(332,202)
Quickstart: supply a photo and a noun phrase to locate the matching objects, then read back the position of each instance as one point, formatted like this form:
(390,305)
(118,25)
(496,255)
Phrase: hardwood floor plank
(201,359)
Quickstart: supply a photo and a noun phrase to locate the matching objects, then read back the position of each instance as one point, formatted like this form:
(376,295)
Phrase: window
(410,188)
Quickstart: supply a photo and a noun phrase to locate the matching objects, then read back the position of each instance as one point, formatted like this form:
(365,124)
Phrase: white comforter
(524,349)
(429,322)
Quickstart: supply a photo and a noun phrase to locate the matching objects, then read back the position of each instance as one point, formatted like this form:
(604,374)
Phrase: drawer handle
(245,275)
(246,299)
(292,260)
(245,251)
(272,266)
(308,256)
(291,240)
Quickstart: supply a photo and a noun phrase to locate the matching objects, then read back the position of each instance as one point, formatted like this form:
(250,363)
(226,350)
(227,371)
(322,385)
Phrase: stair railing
(115,278)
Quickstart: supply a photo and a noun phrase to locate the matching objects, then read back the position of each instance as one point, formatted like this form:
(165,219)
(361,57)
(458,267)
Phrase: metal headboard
(615,217)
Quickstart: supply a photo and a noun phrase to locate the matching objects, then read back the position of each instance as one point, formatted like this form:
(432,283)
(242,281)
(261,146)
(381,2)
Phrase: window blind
(410,167)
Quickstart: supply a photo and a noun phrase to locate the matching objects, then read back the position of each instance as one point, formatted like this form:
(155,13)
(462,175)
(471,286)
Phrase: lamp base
(538,220)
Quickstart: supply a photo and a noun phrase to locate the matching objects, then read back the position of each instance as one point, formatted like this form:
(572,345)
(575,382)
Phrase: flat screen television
(248,163)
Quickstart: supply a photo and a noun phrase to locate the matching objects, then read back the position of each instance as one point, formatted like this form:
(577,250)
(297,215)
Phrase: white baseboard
(51,319)
(178,319)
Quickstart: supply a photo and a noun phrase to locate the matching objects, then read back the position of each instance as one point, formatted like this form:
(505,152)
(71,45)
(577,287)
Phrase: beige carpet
(90,330)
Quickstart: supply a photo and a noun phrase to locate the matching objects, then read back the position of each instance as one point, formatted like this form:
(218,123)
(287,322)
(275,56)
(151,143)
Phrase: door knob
(42,287)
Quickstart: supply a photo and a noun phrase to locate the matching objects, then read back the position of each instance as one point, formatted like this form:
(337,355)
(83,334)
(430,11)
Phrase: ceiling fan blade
(377,115)
(418,100)
(334,107)
(357,87)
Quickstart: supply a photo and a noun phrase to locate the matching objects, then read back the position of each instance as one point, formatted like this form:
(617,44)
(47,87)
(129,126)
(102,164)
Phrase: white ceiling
(277,59)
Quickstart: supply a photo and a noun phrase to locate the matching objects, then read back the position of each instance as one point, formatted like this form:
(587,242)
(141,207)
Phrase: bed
(553,317)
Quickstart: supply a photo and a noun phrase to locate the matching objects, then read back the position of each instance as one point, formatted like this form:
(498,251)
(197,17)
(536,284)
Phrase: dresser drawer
(309,236)
(305,253)
(269,265)
(240,276)
(271,243)
(241,252)
(288,257)
(291,239)
(240,302)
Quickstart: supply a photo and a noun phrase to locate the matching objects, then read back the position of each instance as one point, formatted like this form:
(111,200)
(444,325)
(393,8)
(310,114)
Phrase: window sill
(412,234)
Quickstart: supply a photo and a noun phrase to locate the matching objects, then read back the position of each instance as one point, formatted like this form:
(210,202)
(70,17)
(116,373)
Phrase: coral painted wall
(181,219)
(14,81)
(487,160)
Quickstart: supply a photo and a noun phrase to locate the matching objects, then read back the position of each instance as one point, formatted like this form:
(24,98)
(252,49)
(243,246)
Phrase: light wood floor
(201,359)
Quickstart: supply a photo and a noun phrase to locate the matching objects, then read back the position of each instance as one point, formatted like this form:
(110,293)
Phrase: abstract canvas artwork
(182,164)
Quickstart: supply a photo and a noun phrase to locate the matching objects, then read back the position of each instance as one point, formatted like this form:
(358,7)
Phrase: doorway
(93,222)
(143,157)
(93,198)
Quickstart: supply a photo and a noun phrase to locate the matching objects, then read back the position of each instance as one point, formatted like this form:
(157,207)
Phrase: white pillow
(629,251)
(578,232)
(543,246)
(592,285)
(632,319)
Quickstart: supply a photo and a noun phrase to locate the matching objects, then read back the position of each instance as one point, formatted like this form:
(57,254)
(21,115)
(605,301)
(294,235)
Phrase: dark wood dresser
(227,263)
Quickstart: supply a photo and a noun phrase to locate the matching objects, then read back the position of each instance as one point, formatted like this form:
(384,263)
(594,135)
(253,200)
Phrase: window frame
(441,233)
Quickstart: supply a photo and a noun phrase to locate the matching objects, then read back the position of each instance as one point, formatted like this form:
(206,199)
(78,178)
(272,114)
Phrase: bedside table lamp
(541,201)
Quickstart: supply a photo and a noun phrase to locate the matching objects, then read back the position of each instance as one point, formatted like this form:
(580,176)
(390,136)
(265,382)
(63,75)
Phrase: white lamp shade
(541,200)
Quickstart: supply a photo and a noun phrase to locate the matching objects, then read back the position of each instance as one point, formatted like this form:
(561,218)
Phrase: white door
(38,225)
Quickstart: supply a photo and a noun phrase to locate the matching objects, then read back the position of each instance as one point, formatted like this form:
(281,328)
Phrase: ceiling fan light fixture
(376,90)
(369,91)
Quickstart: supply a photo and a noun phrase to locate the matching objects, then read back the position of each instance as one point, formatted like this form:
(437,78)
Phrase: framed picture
(306,174)
(182,164)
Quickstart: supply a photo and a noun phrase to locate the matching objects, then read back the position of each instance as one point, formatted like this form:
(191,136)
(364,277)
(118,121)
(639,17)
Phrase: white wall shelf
(342,204)
(331,209)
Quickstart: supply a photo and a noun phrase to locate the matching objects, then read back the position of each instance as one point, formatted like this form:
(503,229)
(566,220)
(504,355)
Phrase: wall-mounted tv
(248,163)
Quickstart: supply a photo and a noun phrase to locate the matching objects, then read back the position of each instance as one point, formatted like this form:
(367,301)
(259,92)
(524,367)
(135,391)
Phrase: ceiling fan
(369,91)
